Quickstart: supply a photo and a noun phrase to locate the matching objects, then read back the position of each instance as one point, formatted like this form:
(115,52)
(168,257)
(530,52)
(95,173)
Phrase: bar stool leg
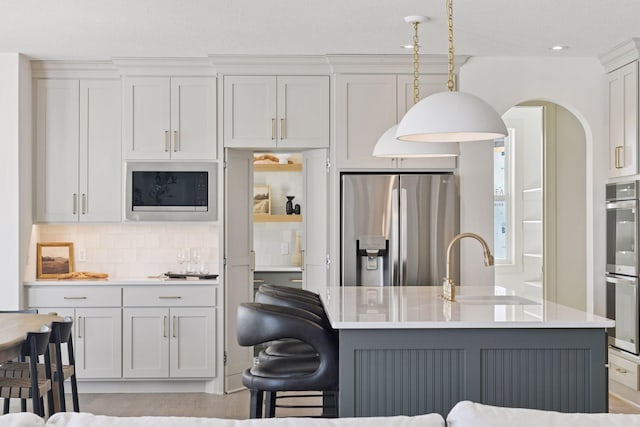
(270,404)
(255,404)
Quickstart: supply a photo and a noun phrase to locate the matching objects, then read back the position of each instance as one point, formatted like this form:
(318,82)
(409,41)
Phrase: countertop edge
(472,325)
(120,282)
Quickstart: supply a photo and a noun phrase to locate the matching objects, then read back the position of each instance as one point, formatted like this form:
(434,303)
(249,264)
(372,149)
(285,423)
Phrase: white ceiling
(102,29)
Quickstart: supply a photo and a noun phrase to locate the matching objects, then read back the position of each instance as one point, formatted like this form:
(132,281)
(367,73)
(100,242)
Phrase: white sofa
(464,414)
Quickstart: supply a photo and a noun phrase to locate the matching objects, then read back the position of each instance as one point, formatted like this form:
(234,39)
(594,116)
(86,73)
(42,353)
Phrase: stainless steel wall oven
(622,265)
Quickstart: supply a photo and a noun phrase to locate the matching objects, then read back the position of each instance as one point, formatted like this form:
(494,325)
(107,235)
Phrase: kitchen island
(406,351)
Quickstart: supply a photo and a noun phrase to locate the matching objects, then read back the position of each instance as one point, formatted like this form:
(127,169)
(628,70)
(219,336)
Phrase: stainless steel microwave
(171,191)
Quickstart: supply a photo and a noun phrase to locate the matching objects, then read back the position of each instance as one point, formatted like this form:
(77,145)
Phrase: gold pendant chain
(450,83)
(416,65)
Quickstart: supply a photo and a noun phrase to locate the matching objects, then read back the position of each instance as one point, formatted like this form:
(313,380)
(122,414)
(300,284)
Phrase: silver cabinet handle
(80,332)
(166,141)
(252,265)
(273,128)
(295,280)
(164,327)
(302,260)
(175,141)
(283,134)
(622,371)
(75,203)
(84,204)
(175,327)
(169,297)
(75,297)
(258,281)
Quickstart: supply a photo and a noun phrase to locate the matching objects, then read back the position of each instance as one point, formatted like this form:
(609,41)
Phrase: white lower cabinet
(97,320)
(165,335)
(136,332)
(97,345)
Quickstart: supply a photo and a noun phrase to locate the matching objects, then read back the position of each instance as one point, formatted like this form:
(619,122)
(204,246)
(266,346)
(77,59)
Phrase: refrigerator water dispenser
(372,254)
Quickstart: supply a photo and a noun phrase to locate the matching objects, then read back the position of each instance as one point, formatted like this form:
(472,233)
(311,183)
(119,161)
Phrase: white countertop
(121,282)
(414,307)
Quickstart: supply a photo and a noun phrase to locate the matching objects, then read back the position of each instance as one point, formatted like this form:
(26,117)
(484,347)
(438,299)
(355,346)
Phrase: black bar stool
(260,323)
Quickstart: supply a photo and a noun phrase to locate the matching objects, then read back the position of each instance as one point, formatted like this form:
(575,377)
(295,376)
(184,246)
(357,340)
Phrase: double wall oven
(622,265)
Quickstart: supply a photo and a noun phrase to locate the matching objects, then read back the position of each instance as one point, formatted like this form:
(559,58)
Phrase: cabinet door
(145,342)
(303,111)
(250,111)
(193,338)
(98,342)
(57,139)
(429,84)
(623,120)
(316,223)
(193,118)
(146,118)
(239,263)
(100,151)
(365,109)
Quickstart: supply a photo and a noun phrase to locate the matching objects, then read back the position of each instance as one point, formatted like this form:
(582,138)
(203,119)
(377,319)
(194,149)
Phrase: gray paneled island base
(404,351)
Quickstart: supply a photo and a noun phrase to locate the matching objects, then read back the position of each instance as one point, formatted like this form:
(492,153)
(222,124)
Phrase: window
(502,200)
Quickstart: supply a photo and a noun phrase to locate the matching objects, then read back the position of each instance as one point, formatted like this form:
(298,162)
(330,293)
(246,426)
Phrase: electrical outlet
(82,255)
(284,249)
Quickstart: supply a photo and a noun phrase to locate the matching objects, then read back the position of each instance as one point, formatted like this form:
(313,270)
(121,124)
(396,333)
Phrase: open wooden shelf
(277,218)
(276,167)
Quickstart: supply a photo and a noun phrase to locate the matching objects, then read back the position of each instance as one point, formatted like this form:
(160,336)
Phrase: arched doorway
(543,249)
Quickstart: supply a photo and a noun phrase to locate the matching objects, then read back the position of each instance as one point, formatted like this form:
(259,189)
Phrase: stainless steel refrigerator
(395,228)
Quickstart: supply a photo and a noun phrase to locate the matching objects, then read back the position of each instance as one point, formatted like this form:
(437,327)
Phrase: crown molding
(74,69)
(621,55)
(214,65)
(270,64)
(397,63)
(164,66)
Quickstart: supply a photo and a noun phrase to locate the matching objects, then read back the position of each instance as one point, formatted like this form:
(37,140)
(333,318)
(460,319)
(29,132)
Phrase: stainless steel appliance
(395,228)
(622,265)
(171,191)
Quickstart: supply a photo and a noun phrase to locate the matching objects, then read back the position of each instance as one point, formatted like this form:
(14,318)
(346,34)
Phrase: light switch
(284,248)
(82,255)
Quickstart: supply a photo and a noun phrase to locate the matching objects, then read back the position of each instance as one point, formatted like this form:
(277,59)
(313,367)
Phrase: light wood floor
(235,405)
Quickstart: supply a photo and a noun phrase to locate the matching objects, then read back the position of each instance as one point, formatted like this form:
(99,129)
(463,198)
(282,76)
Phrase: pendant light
(388,145)
(451,116)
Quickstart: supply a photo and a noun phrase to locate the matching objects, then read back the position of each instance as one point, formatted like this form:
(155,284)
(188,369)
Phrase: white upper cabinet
(169,118)
(623,120)
(78,142)
(368,105)
(276,111)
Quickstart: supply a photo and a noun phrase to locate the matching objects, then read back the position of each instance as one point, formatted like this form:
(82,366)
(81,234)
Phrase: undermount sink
(494,299)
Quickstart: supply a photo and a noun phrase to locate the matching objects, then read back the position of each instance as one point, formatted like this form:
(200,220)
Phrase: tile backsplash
(130,250)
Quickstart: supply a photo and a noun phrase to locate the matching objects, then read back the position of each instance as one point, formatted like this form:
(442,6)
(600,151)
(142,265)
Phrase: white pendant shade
(451,116)
(389,146)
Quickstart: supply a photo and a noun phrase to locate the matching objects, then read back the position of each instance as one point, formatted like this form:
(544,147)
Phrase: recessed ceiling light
(558,47)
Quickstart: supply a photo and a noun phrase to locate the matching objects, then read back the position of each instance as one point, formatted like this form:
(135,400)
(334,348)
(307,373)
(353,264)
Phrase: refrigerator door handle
(403,237)
(393,243)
